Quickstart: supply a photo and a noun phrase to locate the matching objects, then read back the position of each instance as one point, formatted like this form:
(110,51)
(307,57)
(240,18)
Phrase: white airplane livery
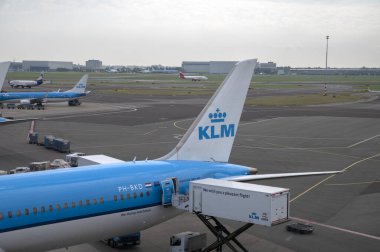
(59,208)
(192,77)
(27,83)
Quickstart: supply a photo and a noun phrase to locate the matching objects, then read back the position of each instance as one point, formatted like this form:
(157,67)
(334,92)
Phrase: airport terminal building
(93,65)
(34,65)
(223,67)
(207,67)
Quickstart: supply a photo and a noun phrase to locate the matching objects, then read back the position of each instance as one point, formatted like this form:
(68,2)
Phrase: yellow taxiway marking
(363,141)
(179,127)
(315,150)
(311,188)
(357,183)
(150,132)
(331,176)
(260,121)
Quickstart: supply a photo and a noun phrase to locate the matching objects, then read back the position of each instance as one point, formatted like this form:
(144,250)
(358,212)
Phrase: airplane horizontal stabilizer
(246,178)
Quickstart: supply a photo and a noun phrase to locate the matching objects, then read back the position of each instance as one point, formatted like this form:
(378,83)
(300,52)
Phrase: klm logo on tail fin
(218,129)
(80,85)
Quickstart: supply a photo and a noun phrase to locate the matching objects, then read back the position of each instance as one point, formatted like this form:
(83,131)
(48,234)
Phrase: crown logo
(217,116)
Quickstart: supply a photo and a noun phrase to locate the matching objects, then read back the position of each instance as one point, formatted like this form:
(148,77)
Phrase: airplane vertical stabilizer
(40,79)
(3,72)
(211,136)
(80,87)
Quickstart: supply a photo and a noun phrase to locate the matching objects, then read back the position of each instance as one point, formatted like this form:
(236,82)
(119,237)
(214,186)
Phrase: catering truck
(257,204)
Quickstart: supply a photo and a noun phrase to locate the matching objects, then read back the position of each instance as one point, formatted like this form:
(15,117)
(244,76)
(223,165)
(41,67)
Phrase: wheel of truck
(112,244)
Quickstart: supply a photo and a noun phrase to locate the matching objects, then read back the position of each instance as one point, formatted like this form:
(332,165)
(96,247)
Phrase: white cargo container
(258,204)
(97,159)
(39,166)
(72,158)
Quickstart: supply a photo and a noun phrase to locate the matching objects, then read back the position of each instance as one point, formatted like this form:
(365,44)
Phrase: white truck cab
(188,242)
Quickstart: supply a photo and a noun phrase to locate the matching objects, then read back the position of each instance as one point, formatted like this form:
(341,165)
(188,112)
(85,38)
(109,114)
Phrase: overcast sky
(145,32)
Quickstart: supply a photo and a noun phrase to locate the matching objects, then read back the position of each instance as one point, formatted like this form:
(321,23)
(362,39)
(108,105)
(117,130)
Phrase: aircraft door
(167,191)
(197,199)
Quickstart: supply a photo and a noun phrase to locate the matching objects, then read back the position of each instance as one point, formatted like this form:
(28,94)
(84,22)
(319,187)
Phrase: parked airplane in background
(112,70)
(192,78)
(27,83)
(373,91)
(3,72)
(58,208)
(72,95)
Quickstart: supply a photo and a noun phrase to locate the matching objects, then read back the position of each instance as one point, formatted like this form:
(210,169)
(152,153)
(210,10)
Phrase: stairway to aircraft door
(167,191)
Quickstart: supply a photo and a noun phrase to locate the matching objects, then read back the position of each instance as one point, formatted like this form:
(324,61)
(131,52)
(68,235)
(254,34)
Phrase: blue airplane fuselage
(76,193)
(15,97)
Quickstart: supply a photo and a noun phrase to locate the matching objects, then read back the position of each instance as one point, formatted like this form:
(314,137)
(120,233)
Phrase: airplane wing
(277,175)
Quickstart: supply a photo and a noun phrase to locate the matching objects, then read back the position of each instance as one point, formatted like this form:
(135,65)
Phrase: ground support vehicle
(121,241)
(300,228)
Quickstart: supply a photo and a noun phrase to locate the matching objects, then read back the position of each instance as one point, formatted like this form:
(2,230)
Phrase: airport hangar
(223,67)
(36,65)
(212,67)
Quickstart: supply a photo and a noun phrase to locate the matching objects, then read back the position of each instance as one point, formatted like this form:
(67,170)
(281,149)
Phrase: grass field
(301,100)
(129,84)
(375,87)
(126,78)
(161,91)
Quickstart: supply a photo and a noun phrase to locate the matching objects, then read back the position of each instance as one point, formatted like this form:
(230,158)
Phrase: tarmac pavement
(345,208)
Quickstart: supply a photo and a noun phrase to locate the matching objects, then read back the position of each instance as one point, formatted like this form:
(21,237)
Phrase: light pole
(327,51)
